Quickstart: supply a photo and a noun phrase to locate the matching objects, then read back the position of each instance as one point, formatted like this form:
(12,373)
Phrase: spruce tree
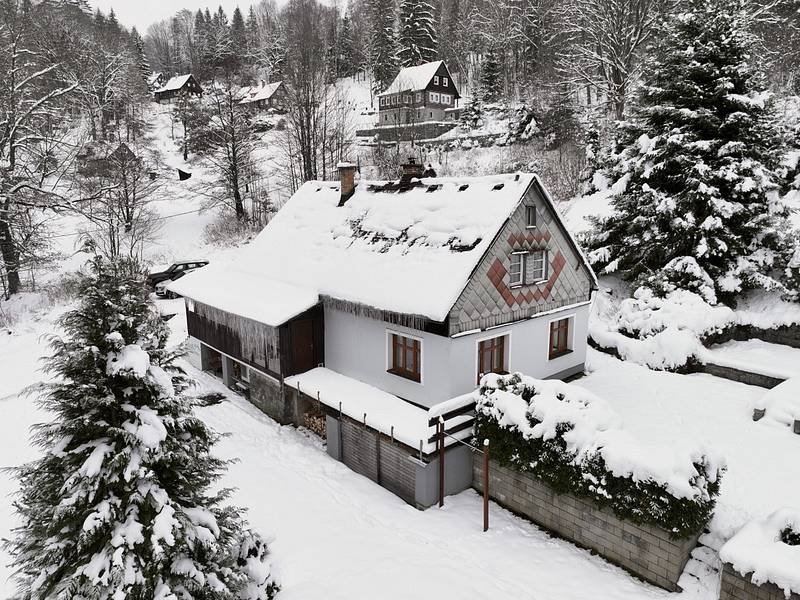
(142,63)
(417,35)
(238,36)
(119,505)
(491,77)
(698,158)
(383,44)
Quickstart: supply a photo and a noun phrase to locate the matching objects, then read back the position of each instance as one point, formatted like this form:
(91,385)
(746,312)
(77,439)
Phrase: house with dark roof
(382,304)
(417,95)
(177,86)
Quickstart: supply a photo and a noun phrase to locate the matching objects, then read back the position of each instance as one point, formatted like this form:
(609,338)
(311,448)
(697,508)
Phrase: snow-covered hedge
(769,549)
(571,440)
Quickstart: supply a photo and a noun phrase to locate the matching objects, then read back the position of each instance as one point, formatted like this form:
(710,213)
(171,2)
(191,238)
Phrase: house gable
(442,72)
(489,299)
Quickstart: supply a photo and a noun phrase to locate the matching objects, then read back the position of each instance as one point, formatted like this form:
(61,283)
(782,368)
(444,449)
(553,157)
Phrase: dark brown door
(303,346)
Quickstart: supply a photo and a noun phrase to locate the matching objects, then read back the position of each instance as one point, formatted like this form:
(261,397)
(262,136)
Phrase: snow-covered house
(415,287)
(418,95)
(177,86)
(265,96)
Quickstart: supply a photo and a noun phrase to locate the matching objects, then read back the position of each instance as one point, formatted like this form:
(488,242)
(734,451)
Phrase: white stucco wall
(358,347)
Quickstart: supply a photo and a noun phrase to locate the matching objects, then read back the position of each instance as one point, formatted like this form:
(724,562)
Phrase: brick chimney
(411,169)
(347,179)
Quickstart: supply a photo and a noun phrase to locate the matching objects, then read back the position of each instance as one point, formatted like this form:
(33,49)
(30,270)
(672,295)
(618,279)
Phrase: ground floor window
(405,358)
(560,338)
(493,356)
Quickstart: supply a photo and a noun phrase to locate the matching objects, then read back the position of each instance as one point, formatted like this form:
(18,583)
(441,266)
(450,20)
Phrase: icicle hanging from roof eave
(257,339)
(363,310)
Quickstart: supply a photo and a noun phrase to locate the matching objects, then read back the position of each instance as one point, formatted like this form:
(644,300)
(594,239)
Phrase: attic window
(433,188)
(463,187)
(498,186)
(530,217)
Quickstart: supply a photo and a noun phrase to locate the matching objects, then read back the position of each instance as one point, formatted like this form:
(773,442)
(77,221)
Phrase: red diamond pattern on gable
(488,300)
(497,273)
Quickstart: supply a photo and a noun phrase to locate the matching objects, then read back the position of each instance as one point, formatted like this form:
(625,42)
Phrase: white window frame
(387,348)
(435,80)
(544,271)
(394,100)
(444,81)
(524,257)
(571,335)
(419,96)
(435,97)
(383,101)
(490,336)
(521,280)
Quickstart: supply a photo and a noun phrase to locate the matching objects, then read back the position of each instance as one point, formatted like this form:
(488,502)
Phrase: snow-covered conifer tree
(417,35)
(119,505)
(696,162)
(383,43)
(491,77)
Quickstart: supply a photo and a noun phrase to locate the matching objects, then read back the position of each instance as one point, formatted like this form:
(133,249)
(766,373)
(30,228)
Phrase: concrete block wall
(645,551)
(736,586)
(267,394)
(788,335)
(739,375)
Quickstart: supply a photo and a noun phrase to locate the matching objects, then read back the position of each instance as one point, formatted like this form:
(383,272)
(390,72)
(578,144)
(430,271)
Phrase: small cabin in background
(178,86)
(267,96)
(155,81)
(417,95)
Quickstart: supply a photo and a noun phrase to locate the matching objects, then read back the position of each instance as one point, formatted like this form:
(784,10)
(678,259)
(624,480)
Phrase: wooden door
(303,358)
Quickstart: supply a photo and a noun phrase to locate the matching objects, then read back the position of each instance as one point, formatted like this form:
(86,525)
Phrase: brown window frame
(560,329)
(401,345)
(495,348)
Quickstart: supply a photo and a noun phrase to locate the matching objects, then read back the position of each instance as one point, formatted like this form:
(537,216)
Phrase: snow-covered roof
(260,92)
(360,401)
(266,301)
(153,78)
(175,83)
(410,252)
(414,78)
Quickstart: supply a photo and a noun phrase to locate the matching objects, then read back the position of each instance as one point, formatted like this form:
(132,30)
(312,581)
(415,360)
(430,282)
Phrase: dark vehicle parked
(175,270)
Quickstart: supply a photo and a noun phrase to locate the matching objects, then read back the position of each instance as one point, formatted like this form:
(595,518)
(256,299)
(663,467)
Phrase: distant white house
(265,96)
(177,86)
(419,94)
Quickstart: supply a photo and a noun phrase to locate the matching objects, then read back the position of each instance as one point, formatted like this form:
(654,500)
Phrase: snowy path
(758,357)
(338,535)
(763,472)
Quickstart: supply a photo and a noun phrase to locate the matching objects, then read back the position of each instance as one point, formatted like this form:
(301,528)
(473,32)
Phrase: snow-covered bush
(120,505)
(570,439)
(681,273)
(768,550)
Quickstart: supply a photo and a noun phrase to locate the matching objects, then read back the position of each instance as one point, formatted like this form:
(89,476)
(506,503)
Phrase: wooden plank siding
(228,341)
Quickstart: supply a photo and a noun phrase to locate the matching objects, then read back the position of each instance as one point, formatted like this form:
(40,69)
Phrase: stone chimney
(411,169)
(347,179)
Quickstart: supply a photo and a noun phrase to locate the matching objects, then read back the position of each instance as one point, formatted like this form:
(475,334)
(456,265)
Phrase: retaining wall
(645,551)
(788,335)
(736,586)
(748,377)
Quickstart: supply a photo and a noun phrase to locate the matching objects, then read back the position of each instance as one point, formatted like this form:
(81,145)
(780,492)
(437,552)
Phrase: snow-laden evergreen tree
(140,56)
(491,76)
(383,43)
(119,505)
(417,34)
(697,160)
